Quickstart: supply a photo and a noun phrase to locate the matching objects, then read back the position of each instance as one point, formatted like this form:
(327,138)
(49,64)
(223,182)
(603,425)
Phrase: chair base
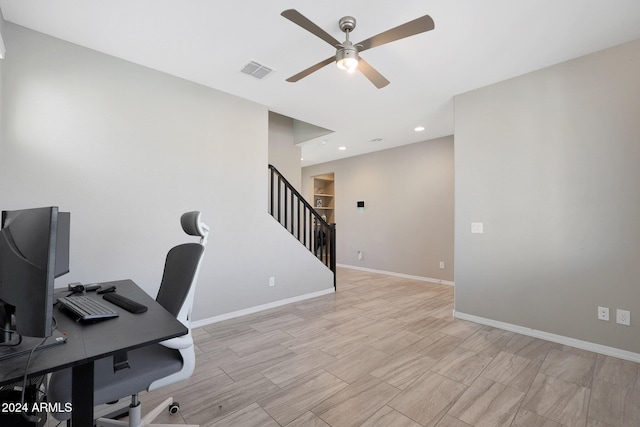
(135,416)
(112,410)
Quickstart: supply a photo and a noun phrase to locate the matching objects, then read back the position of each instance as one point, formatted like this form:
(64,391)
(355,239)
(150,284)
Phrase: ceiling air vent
(256,70)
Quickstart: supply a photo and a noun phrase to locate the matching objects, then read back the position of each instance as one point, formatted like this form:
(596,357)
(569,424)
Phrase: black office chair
(157,365)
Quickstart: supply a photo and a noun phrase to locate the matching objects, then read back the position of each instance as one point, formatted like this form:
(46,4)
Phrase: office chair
(157,365)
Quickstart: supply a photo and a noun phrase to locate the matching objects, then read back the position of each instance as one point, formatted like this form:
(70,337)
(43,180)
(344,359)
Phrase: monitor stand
(28,343)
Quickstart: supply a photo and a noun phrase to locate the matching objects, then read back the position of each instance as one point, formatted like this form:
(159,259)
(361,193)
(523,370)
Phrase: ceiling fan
(347,55)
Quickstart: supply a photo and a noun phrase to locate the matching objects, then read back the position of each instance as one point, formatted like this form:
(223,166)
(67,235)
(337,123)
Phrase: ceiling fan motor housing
(347,57)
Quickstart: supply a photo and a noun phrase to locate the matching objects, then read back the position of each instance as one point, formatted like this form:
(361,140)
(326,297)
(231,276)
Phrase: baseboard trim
(560,339)
(258,308)
(404,276)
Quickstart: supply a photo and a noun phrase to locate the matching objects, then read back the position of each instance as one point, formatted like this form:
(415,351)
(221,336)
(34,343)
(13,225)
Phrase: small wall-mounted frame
(361,204)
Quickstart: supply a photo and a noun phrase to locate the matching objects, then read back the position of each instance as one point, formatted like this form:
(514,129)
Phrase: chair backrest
(181,269)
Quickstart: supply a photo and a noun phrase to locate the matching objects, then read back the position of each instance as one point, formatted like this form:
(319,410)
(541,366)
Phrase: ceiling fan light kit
(347,55)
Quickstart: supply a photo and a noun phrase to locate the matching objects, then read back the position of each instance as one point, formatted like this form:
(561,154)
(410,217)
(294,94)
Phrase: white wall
(406,226)
(2,47)
(127,150)
(284,155)
(549,162)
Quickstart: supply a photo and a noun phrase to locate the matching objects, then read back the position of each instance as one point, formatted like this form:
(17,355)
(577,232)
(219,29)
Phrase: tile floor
(385,351)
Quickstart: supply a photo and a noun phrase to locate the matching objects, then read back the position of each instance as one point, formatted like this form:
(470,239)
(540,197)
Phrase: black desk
(89,342)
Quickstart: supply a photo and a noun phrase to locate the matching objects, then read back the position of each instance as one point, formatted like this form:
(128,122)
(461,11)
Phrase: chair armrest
(179,343)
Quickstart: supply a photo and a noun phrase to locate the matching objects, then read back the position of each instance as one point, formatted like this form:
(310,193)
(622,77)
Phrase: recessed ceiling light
(342,148)
(419,128)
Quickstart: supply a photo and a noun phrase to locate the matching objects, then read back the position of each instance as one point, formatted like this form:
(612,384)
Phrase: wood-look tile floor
(386,351)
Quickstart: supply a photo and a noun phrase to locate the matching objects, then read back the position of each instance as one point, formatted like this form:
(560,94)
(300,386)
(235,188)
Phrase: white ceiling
(475,43)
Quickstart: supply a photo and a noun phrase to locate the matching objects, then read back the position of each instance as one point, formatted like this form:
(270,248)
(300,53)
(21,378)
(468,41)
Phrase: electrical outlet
(442,265)
(359,255)
(477,227)
(603,313)
(272,281)
(623,317)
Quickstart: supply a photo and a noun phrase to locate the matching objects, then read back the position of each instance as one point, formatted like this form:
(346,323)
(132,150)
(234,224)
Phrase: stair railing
(295,214)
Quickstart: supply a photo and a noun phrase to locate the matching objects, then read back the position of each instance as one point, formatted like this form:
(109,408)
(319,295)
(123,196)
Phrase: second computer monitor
(34,249)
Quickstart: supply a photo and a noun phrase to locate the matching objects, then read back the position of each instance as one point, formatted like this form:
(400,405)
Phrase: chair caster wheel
(174,408)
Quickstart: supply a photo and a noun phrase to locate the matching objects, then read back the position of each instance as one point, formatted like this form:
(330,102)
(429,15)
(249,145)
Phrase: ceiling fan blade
(297,18)
(311,69)
(372,74)
(411,28)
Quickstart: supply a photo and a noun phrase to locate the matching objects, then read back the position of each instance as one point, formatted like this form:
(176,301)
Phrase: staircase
(295,214)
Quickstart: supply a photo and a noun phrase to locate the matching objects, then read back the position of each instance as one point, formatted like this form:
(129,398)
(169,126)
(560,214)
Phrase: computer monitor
(34,249)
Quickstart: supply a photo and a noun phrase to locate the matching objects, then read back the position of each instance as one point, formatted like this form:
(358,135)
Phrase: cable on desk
(32,418)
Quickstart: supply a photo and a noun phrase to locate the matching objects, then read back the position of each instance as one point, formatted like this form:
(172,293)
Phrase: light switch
(477,228)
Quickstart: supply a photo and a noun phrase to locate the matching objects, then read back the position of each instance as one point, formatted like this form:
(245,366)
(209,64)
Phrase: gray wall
(2,24)
(407,224)
(549,162)
(283,153)
(127,150)
(2,47)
